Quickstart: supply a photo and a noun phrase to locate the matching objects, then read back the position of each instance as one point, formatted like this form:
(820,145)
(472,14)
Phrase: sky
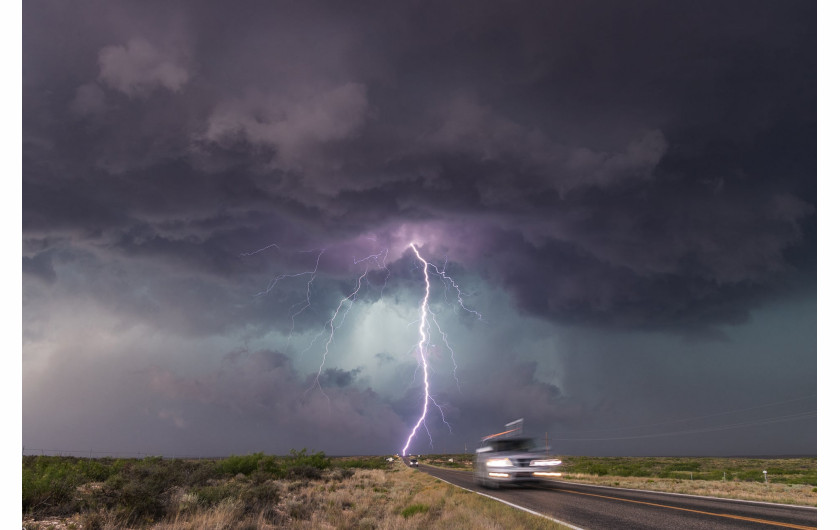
(617,203)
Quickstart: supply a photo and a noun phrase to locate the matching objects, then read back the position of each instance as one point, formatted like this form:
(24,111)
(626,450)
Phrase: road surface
(595,508)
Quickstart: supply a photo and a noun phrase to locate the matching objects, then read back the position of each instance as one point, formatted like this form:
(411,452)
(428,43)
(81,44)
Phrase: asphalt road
(594,508)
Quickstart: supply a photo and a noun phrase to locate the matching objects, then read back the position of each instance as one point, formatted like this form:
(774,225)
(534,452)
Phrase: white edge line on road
(746,501)
(524,509)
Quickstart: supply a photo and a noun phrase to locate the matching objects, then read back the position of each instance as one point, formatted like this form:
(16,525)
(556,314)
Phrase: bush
(301,458)
(49,485)
(213,495)
(139,492)
(93,521)
(341,473)
(248,464)
(260,497)
(304,471)
(599,469)
(414,509)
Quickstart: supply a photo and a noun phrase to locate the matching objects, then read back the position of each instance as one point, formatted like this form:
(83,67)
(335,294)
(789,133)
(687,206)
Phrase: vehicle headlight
(550,462)
(499,462)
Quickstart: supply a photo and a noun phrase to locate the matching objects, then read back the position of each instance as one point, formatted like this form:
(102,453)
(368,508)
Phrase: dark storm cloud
(337,377)
(482,402)
(631,137)
(614,166)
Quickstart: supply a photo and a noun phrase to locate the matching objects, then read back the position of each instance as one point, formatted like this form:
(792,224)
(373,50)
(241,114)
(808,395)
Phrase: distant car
(413,462)
(512,460)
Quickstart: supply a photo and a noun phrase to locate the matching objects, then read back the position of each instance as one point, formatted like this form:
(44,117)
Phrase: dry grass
(396,498)
(803,495)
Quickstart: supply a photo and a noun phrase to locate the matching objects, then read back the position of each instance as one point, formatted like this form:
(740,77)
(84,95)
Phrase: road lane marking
(726,515)
(524,509)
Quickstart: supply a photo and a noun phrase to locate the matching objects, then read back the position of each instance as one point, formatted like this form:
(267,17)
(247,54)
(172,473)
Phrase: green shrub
(248,464)
(138,493)
(752,475)
(48,484)
(213,495)
(260,497)
(301,458)
(414,509)
(598,469)
(630,470)
(96,471)
(304,471)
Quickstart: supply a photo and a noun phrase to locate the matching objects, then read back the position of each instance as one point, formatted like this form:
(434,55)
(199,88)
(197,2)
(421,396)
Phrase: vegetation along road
(598,507)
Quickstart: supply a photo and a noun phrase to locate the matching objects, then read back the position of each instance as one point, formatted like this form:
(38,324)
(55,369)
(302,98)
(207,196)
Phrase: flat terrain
(252,492)
(305,490)
(595,507)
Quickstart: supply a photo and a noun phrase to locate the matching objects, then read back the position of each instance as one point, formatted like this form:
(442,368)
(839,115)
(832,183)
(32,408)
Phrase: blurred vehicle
(413,462)
(512,460)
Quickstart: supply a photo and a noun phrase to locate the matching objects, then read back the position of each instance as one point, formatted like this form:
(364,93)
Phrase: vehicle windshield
(517,444)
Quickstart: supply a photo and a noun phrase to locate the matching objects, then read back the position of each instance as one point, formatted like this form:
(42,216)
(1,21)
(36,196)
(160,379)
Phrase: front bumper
(520,474)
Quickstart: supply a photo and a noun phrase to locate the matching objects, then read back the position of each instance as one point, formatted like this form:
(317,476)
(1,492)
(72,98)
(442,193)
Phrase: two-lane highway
(595,507)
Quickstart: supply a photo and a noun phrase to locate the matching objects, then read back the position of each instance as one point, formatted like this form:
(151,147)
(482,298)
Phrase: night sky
(621,199)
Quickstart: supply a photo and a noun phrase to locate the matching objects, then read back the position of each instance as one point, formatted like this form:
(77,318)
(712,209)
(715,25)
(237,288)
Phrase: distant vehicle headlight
(499,462)
(550,462)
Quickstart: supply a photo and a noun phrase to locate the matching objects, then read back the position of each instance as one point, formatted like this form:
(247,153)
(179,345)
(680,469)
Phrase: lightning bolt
(448,281)
(451,353)
(305,304)
(348,300)
(345,304)
(423,330)
(421,347)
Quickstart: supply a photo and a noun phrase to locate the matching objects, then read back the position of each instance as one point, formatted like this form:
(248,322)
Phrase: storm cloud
(616,188)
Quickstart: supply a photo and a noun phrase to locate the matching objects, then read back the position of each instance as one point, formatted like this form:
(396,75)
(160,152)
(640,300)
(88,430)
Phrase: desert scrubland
(302,491)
